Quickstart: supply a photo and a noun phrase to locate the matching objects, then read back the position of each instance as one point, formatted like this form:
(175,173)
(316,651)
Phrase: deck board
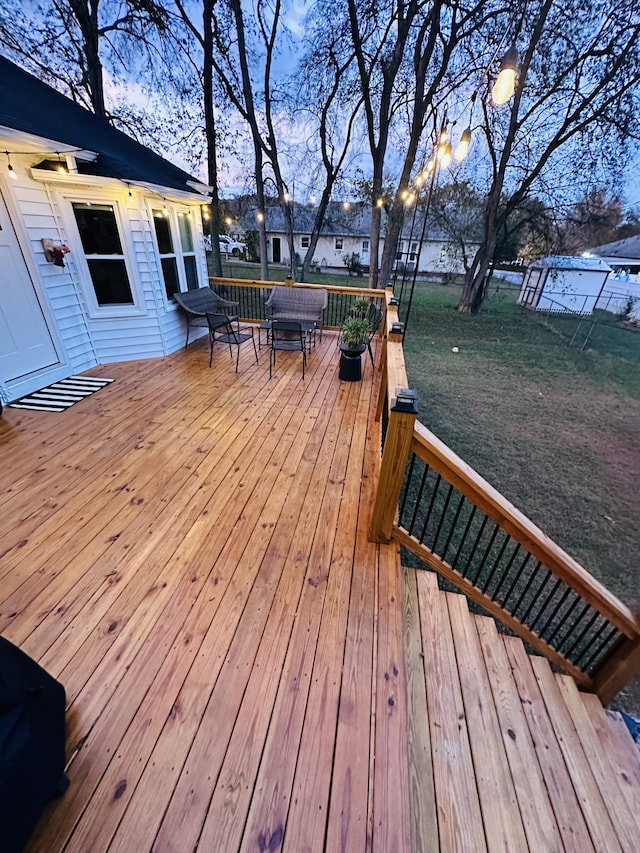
(187,551)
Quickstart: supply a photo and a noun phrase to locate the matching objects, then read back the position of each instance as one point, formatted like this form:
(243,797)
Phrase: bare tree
(203,34)
(329,104)
(579,65)
(64,42)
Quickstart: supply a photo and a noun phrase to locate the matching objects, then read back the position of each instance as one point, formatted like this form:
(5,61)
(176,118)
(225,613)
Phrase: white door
(25,341)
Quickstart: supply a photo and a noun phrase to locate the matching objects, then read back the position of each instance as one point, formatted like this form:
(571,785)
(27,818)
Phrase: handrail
(249,294)
(444,513)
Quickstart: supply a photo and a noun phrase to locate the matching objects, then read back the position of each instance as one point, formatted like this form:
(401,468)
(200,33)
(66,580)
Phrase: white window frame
(94,309)
(340,241)
(178,253)
(305,241)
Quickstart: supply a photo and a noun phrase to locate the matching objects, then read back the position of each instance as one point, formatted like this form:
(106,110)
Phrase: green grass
(555,429)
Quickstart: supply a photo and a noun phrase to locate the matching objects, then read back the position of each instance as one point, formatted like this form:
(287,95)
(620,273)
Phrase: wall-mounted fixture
(54,252)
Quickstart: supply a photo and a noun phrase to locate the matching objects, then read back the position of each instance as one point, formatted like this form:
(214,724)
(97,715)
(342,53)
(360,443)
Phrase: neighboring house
(346,231)
(622,289)
(131,222)
(564,284)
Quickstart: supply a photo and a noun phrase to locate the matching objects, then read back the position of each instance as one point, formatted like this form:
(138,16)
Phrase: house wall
(435,256)
(84,333)
(620,294)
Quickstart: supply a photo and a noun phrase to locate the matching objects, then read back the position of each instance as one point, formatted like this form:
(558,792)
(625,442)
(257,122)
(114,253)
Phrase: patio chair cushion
(298,303)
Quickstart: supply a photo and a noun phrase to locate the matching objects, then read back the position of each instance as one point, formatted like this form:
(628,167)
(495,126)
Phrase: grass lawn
(556,430)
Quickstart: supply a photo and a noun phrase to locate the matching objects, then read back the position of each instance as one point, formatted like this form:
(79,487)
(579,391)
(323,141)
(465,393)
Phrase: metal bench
(196,303)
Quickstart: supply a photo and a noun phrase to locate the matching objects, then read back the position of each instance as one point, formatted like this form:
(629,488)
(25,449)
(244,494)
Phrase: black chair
(287,336)
(220,329)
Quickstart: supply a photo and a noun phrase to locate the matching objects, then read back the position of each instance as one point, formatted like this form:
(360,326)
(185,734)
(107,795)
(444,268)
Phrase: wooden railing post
(402,416)
(618,670)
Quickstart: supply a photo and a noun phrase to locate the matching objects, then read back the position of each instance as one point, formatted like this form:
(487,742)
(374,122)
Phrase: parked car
(229,246)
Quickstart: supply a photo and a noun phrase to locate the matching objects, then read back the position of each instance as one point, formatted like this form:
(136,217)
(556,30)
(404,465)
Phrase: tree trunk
(210,134)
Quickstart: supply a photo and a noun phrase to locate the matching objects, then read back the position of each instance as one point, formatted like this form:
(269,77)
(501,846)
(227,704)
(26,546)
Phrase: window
(304,241)
(365,245)
(188,253)
(103,252)
(167,253)
(338,243)
(177,254)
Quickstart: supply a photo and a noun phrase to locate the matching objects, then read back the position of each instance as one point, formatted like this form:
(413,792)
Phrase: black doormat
(61,395)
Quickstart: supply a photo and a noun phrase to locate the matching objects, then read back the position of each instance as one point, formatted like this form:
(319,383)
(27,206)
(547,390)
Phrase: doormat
(61,395)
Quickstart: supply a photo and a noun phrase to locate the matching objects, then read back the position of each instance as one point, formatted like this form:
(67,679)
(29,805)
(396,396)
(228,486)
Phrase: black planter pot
(351,363)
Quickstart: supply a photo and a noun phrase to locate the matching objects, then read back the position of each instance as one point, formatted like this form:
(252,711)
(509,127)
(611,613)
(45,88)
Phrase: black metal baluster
(555,612)
(405,491)
(442,517)
(505,574)
(487,551)
(464,535)
(453,526)
(497,562)
(431,504)
(423,482)
(594,656)
(475,545)
(527,587)
(565,623)
(523,566)
(543,607)
(582,635)
(534,598)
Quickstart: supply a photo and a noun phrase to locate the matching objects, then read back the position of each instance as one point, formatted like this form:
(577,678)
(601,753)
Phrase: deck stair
(504,754)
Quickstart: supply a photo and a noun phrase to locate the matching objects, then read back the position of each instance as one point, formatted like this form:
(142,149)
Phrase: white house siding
(154,327)
(33,217)
(435,256)
(619,294)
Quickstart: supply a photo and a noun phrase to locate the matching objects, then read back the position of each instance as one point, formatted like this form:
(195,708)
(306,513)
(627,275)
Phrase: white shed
(564,284)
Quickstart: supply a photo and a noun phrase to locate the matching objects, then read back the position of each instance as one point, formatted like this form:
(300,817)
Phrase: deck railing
(432,503)
(252,294)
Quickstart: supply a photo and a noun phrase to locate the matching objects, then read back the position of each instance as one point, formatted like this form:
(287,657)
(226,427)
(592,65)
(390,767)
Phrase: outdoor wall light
(504,86)
(10,169)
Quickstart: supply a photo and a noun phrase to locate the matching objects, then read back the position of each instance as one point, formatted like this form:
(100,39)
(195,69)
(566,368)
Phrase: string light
(504,87)
(10,169)
(462,148)
(260,216)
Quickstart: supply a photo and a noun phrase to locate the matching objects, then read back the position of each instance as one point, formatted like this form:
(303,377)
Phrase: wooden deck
(186,551)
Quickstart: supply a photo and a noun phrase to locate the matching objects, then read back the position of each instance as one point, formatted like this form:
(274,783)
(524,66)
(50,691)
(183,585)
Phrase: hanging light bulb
(260,216)
(444,154)
(61,166)
(10,169)
(462,148)
(287,197)
(165,209)
(205,213)
(379,202)
(504,86)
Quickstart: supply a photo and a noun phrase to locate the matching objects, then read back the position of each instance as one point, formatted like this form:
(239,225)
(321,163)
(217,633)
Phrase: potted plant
(353,342)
